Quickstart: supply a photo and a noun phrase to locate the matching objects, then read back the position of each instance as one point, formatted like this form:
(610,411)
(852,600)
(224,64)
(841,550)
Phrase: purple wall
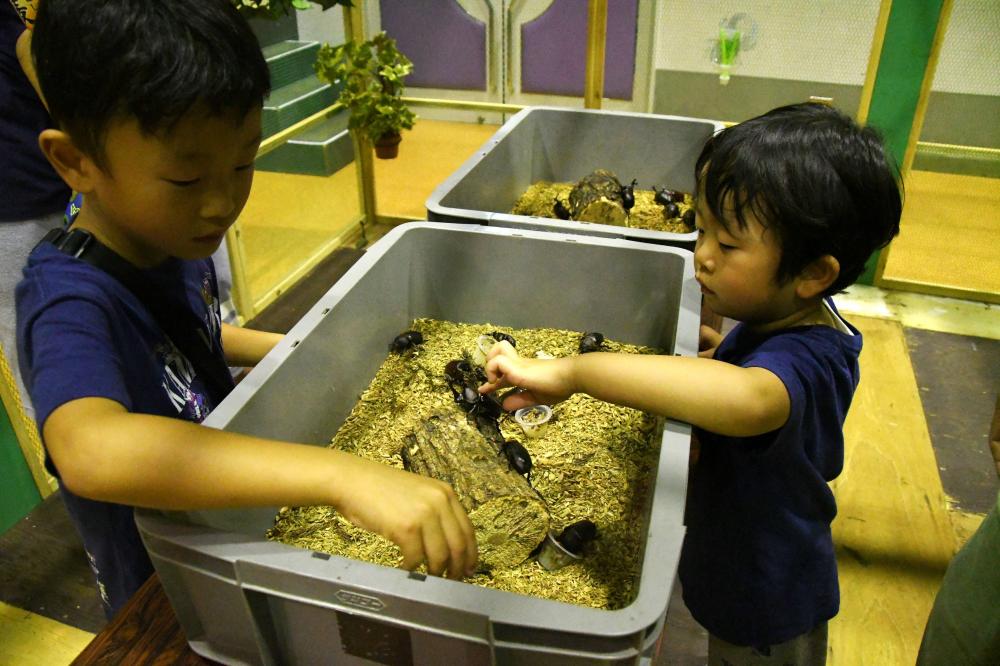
(554,49)
(446,45)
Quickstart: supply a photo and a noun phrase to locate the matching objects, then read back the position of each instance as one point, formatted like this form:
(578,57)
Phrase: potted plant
(371,74)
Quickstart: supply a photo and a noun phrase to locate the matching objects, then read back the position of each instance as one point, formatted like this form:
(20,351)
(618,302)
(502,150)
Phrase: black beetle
(475,404)
(456,371)
(500,337)
(463,381)
(688,217)
(628,195)
(517,457)
(662,197)
(560,210)
(406,340)
(591,342)
(665,196)
(575,537)
(671,210)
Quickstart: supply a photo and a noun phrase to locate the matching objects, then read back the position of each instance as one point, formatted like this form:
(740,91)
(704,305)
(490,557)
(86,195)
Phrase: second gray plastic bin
(564,145)
(243,599)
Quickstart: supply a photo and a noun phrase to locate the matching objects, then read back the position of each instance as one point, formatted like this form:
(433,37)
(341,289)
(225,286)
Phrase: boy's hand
(543,381)
(421,515)
(709,340)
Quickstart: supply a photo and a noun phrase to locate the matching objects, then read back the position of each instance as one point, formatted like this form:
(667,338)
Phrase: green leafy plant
(277,8)
(372,74)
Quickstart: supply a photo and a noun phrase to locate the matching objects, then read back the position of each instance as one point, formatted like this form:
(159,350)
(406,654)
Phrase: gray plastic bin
(564,145)
(243,599)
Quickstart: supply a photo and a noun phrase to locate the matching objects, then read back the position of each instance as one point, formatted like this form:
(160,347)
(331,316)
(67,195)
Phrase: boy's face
(173,194)
(737,269)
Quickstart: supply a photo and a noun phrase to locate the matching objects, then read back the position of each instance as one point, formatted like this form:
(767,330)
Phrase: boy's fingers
(456,542)
(468,534)
(435,547)
(496,370)
(501,348)
(412,549)
(519,399)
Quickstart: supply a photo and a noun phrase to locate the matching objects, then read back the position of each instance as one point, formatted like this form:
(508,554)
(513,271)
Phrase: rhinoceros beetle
(560,210)
(671,210)
(628,195)
(591,342)
(517,457)
(576,536)
(688,217)
(463,381)
(502,337)
(665,196)
(405,340)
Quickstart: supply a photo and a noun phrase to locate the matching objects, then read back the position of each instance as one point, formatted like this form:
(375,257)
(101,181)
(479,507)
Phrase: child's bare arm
(709,340)
(245,347)
(106,453)
(713,395)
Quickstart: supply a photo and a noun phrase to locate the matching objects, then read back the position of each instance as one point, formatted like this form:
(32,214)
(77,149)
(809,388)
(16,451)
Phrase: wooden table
(144,632)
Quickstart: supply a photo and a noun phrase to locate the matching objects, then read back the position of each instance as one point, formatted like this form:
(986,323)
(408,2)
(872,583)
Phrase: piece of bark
(598,198)
(509,517)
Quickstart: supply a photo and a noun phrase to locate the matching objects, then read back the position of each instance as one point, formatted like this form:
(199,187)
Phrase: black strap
(179,323)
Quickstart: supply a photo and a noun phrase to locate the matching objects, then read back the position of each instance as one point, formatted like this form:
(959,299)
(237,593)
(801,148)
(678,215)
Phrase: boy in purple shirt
(159,113)
(789,207)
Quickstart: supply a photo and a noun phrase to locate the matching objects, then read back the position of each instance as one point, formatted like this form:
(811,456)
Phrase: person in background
(158,106)
(964,624)
(32,195)
(789,207)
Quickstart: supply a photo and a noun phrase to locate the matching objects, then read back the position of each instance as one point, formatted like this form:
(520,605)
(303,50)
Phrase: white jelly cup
(553,556)
(533,419)
(484,343)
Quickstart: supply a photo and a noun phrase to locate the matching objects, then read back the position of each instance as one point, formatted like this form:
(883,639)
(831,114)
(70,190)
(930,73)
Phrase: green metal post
(18,494)
(905,62)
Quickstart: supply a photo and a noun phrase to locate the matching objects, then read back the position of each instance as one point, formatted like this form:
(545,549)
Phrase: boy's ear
(817,276)
(76,169)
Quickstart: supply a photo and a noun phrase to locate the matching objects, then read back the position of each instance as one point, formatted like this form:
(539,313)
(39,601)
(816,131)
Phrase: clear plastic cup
(533,420)
(553,556)
(482,347)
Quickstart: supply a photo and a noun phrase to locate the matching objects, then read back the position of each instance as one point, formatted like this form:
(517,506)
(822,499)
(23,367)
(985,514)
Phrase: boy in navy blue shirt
(789,207)
(159,113)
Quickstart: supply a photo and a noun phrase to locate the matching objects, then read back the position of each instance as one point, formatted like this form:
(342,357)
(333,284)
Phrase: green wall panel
(18,494)
(909,39)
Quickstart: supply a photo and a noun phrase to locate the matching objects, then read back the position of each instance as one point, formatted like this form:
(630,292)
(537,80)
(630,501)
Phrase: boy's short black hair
(99,61)
(811,175)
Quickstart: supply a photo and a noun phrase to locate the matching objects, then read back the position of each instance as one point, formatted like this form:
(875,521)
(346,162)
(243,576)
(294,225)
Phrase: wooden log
(598,198)
(509,517)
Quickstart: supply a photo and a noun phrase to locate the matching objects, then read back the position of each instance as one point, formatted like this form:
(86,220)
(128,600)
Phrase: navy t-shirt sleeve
(69,344)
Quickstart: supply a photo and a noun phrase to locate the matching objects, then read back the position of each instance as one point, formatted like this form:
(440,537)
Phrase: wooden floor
(894,533)
(950,233)
(288,216)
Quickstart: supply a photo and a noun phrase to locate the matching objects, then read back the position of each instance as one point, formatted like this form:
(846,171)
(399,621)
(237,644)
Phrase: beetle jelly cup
(533,420)
(484,343)
(553,556)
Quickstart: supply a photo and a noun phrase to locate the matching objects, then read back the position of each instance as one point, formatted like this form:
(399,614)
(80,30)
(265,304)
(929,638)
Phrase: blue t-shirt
(81,334)
(30,187)
(758,565)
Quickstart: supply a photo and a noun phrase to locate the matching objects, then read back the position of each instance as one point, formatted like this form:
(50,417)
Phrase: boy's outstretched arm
(245,347)
(710,394)
(106,453)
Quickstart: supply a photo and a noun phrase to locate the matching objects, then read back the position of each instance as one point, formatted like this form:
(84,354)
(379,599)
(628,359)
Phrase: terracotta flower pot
(387,146)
